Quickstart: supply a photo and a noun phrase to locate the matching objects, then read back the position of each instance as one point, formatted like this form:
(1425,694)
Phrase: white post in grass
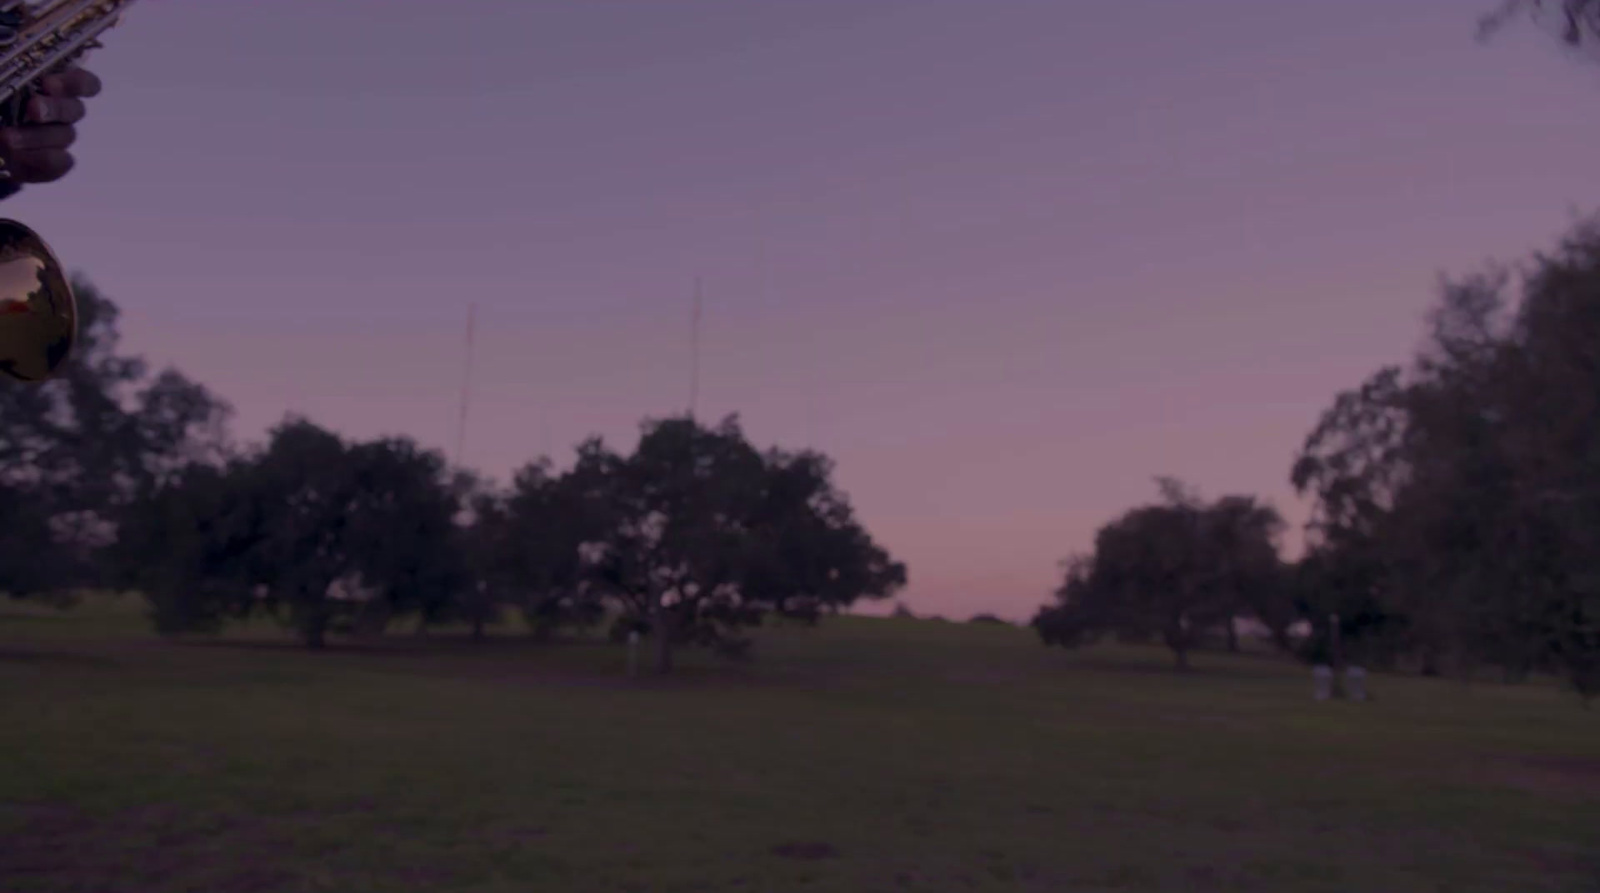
(1355,683)
(1322,678)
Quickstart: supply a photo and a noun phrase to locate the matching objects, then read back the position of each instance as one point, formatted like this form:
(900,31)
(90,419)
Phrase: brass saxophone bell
(38,313)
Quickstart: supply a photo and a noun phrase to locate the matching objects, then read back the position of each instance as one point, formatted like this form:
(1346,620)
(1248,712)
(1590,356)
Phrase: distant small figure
(1322,679)
(1355,684)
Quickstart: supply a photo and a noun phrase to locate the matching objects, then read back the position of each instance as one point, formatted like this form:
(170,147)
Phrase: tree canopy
(1456,497)
(691,538)
(697,535)
(324,535)
(1178,570)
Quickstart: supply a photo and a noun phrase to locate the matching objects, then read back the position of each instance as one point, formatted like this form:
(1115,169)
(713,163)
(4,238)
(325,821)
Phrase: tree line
(112,477)
(1455,497)
(1455,514)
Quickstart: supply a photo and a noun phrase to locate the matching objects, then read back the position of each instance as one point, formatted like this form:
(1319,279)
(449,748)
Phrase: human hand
(35,150)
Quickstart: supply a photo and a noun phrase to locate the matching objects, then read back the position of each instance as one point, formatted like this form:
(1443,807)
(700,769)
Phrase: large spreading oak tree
(698,535)
(1176,570)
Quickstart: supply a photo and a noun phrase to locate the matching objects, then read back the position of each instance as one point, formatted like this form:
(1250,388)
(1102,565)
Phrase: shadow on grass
(56,658)
(396,645)
(590,662)
(63,616)
(144,849)
(1273,669)
(1558,776)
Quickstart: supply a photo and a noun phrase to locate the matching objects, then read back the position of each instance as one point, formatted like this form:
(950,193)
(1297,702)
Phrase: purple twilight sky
(1004,260)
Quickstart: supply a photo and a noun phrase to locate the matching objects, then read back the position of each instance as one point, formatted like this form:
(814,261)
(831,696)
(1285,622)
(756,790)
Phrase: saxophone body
(38,312)
(38,38)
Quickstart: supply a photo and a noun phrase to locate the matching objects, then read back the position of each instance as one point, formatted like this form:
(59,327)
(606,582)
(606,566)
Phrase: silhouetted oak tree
(700,535)
(323,535)
(1176,570)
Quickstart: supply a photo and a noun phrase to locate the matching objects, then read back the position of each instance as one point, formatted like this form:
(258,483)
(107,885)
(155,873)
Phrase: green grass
(926,756)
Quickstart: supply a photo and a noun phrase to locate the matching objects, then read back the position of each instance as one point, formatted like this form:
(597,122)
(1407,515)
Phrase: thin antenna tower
(694,346)
(466,386)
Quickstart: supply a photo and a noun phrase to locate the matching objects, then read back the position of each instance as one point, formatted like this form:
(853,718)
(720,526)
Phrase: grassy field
(864,755)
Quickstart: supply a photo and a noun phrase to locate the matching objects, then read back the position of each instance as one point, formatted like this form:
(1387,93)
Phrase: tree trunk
(1280,637)
(1233,635)
(663,654)
(313,618)
(316,632)
(661,629)
(1177,638)
(1430,663)
(663,634)
(477,629)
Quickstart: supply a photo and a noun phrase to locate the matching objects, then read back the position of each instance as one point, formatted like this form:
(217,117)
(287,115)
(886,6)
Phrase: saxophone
(38,313)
